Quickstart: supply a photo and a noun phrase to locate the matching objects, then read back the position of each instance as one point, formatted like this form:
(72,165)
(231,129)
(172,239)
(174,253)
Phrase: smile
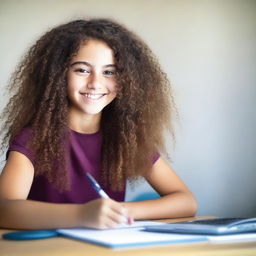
(93,96)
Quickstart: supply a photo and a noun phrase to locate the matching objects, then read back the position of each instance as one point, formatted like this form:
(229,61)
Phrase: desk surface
(61,246)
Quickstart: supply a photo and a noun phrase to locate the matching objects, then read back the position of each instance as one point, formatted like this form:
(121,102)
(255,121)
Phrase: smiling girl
(89,96)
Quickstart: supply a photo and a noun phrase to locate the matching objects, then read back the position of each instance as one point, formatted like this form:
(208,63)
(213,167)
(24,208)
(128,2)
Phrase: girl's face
(91,78)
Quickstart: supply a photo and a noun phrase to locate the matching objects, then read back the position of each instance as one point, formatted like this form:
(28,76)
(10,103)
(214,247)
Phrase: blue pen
(96,186)
(98,189)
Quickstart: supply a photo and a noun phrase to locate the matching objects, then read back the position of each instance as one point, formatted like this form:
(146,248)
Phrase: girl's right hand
(103,213)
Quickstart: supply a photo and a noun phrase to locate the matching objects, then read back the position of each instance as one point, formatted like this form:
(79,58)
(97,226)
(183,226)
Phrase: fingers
(114,213)
(104,213)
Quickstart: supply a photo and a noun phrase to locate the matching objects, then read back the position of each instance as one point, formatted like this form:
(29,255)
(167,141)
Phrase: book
(236,238)
(127,237)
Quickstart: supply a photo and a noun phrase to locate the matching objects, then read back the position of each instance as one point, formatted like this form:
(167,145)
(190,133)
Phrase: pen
(96,186)
(102,193)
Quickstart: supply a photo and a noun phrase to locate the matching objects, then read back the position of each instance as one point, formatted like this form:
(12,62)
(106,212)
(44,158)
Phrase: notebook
(127,237)
(215,226)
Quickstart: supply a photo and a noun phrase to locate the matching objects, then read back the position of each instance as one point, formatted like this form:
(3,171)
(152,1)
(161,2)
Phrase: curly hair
(132,125)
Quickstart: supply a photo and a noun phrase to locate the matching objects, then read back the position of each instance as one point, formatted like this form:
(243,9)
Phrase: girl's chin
(93,111)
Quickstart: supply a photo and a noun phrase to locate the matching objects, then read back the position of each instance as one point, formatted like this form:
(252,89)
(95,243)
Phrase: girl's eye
(109,72)
(82,70)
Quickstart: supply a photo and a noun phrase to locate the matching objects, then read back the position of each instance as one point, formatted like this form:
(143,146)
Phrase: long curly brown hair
(133,124)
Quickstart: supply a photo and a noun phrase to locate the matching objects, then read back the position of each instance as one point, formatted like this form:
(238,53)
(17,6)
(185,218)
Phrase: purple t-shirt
(84,156)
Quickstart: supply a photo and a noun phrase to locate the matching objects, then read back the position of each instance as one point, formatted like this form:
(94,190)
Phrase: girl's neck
(85,124)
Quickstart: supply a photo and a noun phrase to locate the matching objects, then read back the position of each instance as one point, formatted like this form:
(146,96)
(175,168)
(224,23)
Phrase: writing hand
(103,213)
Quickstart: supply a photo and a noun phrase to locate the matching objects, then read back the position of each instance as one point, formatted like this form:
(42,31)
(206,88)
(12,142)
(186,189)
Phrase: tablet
(215,226)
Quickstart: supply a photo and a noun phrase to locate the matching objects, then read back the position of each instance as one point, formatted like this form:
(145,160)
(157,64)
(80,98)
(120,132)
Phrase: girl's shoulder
(25,132)
(20,143)
(23,136)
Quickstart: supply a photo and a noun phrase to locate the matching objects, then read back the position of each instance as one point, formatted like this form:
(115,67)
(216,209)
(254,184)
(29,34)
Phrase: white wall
(208,50)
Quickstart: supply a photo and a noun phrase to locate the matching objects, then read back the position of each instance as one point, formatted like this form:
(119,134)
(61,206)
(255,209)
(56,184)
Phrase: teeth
(93,96)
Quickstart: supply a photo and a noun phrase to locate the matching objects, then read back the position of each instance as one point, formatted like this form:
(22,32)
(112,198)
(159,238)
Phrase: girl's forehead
(95,51)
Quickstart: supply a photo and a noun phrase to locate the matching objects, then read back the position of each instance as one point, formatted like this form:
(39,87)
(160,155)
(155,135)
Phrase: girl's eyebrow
(89,65)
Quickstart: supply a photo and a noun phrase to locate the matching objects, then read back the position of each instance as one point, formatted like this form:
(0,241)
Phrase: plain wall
(207,48)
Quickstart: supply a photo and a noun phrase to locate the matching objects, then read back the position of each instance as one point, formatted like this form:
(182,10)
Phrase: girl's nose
(95,81)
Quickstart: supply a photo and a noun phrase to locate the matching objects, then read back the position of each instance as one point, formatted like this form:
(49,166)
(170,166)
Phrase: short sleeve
(20,144)
(155,158)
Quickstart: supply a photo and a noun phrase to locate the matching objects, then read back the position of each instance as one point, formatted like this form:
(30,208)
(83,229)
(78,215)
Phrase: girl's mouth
(93,96)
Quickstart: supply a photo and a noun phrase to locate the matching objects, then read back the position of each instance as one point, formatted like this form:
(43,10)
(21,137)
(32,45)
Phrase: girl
(88,97)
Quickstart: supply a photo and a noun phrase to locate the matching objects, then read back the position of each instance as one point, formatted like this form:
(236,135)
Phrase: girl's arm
(19,213)
(176,199)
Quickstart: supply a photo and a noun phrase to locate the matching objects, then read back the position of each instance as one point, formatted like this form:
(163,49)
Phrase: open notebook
(128,236)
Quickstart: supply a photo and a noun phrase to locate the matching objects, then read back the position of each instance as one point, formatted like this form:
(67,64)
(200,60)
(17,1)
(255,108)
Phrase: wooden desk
(61,246)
